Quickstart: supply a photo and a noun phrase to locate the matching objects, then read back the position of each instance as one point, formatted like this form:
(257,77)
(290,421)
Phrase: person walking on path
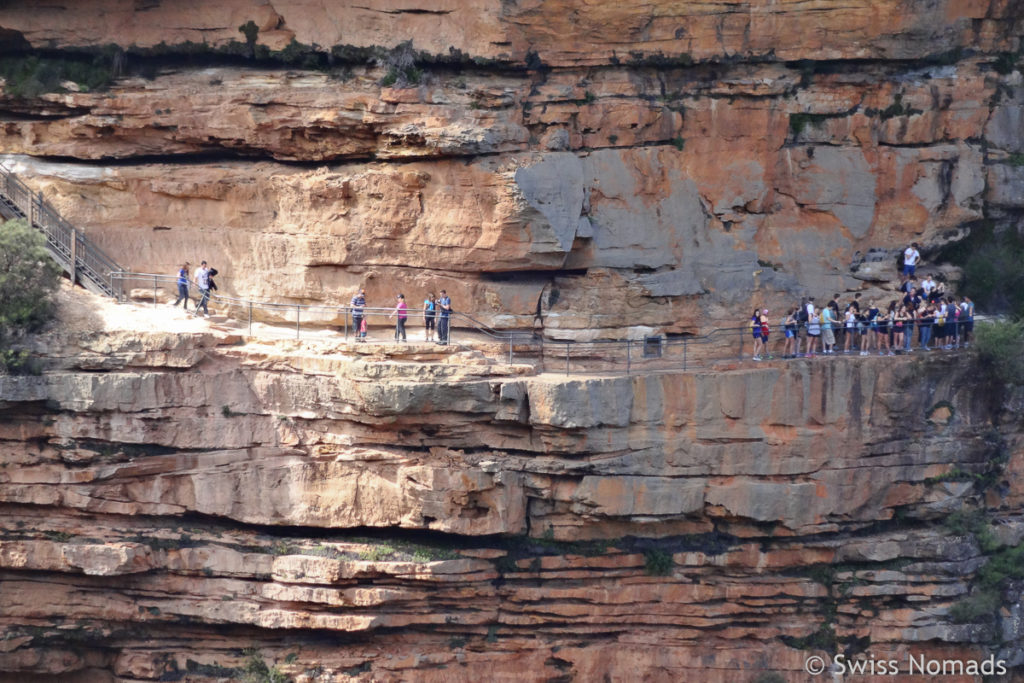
(358,305)
(182,287)
(202,280)
(445,304)
(402,311)
(429,316)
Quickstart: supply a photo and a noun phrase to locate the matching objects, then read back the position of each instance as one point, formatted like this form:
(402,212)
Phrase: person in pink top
(402,311)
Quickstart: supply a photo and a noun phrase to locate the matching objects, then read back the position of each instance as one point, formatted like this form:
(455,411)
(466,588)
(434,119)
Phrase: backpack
(801,315)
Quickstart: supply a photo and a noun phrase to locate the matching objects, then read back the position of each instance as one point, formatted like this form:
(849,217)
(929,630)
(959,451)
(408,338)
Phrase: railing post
(567,358)
(629,358)
(510,352)
(684,354)
(739,354)
(74,257)
(297,309)
(345,315)
(250,318)
(154,290)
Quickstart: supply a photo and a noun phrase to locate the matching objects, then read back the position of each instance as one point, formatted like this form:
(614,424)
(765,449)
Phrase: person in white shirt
(202,280)
(928,286)
(911,259)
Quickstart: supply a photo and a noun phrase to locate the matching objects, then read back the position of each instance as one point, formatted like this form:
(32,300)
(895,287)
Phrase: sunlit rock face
(614,168)
(189,507)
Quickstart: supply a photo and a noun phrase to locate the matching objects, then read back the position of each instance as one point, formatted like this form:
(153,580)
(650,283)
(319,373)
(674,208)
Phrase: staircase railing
(77,255)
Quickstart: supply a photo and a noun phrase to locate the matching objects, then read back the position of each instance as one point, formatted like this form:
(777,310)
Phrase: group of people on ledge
(941,321)
(204,282)
(437,312)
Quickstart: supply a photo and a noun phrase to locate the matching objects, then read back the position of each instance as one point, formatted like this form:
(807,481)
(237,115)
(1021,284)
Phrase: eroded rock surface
(704,161)
(450,518)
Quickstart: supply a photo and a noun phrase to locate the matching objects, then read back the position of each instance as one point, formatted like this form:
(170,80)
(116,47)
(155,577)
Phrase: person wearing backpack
(803,317)
(202,280)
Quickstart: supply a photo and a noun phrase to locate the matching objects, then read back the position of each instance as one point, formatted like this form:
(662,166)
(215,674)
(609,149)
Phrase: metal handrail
(720,343)
(69,246)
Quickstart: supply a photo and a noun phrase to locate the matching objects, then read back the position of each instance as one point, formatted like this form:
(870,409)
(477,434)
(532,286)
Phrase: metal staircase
(84,262)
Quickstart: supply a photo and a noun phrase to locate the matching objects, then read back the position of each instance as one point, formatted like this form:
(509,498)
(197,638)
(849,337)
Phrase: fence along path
(83,261)
(88,265)
(655,352)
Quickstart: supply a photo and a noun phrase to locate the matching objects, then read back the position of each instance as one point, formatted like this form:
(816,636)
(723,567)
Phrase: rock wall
(655,166)
(181,507)
(188,507)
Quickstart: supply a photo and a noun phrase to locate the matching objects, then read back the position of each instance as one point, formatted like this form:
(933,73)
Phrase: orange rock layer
(185,508)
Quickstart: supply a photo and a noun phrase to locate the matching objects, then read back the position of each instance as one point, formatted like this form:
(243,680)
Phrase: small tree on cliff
(28,281)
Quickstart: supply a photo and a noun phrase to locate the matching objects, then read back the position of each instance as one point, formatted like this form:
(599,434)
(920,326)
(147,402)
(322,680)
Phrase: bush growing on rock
(1001,350)
(28,280)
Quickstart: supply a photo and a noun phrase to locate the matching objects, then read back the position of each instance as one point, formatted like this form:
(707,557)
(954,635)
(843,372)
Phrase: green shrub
(257,671)
(401,66)
(28,279)
(657,562)
(32,76)
(1001,350)
(250,30)
(992,275)
(979,607)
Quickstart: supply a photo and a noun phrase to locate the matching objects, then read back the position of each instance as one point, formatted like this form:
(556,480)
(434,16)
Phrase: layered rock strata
(707,160)
(188,508)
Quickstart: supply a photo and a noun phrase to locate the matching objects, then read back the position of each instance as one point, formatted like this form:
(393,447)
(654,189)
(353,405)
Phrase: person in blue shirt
(445,304)
(828,337)
(182,287)
(429,316)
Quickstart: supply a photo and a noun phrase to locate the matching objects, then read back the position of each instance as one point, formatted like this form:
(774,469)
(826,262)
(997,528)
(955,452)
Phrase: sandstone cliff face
(170,501)
(188,507)
(695,160)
